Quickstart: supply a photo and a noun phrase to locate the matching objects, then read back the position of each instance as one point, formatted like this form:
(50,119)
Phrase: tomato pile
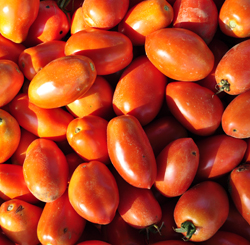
(124,122)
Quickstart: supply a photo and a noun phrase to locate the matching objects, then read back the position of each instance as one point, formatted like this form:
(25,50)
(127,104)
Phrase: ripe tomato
(201,211)
(4,240)
(45,123)
(18,220)
(10,135)
(16,17)
(110,51)
(180,54)
(173,242)
(197,108)
(145,18)
(11,81)
(60,223)
(62,81)
(93,242)
(44,158)
(130,151)
(33,59)
(88,137)
(93,192)
(78,23)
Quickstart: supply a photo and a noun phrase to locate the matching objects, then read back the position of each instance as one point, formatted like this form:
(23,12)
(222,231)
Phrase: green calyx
(223,85)
(187,227)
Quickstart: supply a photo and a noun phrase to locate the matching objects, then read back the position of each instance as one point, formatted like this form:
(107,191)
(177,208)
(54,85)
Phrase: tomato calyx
(152,229)
(223,85)
(187,227)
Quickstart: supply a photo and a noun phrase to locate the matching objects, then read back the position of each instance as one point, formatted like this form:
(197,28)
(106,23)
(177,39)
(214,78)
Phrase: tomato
(219,154)
(62,81)
(33,59)
(110,51)
(45,123)
(17,17)
(104,14)
(44,158)
(93,192)
(60,223)
(239,191)
(93,242)
(18,220)
(130,151)
(142,76)
(201,211)
(199,16)
(246,157)
(4,240)
(11,81)
(235,117)
(73,160)
(88,137)
(197,108)
(50,24)
(172,242)
(180,54)
(78,23)
(230,73)
(96,101)
(177,164)
(10,134)
(145,18)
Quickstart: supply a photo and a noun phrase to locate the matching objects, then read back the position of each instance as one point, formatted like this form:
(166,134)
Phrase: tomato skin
(78,23)
(44,158)
(206,205)
(18,220)
(62,81)
(88,137)
(11,81)
(33,59)
(10,134)
(93,242)
(110,51)
(130,151)
(46,123)
(60,223)
(141,75)
(93,192)
(167,48)
(145,18)
(17,17)
(176,167)
(4,240)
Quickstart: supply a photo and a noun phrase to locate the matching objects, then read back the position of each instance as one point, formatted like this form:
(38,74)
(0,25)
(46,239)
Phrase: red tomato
(201,211)
(4,240)
(60,223)
(44,158)
(246,158)
(10,135)
(33,59)
(199,16)
(140,91)
(104,14)
(88,137)
(16,17)
(45,123)
(18,220)
(230,73)
(197,108)
(110,51)
(173,242)
(11,81)
(145,18)
(93,242)
(93,192)
(62,81)
(180,54)
(130,151)
(176,167)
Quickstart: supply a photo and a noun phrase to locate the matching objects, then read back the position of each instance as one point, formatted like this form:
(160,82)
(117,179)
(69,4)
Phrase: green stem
(187,227)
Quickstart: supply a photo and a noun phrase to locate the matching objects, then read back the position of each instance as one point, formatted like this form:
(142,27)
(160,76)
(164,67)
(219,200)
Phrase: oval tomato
(44,158)
(62,81)
(180,54)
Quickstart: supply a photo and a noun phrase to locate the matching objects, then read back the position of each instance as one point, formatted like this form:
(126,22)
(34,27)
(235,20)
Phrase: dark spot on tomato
(242,168)
(166,7)
(234,130)
(20,208)
(193,153)
(1,120)
(61,32)
(47,7)
(65,230)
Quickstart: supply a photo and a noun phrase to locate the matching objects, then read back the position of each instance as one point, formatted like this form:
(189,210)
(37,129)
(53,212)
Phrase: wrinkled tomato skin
(18,220)
(93,192)
(62,81)
(33,59)
(130,151)
(60,223)
(111,51)
(44,158)
(197,108)
(180,54)
(46,123)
